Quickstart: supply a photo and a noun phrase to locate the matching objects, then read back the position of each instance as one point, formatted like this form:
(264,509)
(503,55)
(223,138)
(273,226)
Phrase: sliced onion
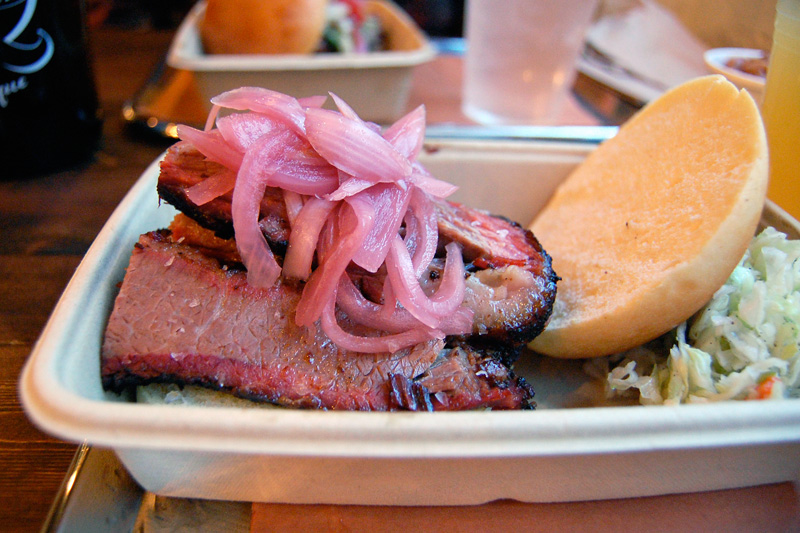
(356,217)
(251,183)
(212,145)
(294,203)
(212,187)
(298,174)
(345,109)
(425,231)
(275,105)
(408,134)
(212,117)
(451,290)
(350,113)
(317,100)
(348,186)
(390,202)
(297,168)
(347,190)
(304,237)
(386,343)
(409,293)
(388,317)
(411,236)
(390,300)
(367,313)
(354,148)
(327,236)
(241,130)
(421,178)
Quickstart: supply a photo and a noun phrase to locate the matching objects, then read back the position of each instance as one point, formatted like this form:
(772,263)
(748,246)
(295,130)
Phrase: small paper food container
(576,445)
(717,59)
(379,81)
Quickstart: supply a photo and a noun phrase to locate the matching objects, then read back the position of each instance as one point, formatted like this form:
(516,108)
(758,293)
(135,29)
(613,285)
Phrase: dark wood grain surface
(47,225)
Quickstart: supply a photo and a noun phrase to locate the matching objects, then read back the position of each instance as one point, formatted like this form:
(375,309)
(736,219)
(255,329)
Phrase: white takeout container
(378,81)
(575,446)
(716,60)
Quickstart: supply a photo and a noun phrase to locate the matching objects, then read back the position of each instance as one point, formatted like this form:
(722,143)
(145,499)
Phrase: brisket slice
(511,286)
(182,318)
(183,166)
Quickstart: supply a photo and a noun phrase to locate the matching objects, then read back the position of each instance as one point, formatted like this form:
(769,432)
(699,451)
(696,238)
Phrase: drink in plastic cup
(521,58)
(781,108)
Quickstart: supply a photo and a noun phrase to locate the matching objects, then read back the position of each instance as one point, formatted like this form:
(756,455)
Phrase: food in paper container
(652,253)
(319,265)
(289,27)
(739,219)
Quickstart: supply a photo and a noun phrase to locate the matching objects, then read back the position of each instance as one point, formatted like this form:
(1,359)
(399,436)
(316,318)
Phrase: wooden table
(48,224)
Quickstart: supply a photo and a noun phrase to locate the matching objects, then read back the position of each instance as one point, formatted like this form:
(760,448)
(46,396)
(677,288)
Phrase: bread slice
(262,26)
(654,221)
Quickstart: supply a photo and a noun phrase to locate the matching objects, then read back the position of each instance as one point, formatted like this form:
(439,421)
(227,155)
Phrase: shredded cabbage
(745,344)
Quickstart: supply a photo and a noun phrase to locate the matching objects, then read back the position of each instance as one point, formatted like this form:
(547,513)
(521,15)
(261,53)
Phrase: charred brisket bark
(182,318)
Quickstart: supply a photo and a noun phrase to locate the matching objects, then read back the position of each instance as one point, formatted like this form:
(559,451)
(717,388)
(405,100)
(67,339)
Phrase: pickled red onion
(349,190)
(385,343)
(262,269)
(408,134)
(356,217)
(212,145)
(353,147)
(350,113)
(423,233)
(448,297)
(304,236)
(212,117)
(214,186)
(390,202)
(317,100)
(278,106)
(422,179)
(241,130)
(388,317)
(345,109)
(294,203)
(348,186)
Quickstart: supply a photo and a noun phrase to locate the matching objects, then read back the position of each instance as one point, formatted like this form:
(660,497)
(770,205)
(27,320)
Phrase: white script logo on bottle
(23,52)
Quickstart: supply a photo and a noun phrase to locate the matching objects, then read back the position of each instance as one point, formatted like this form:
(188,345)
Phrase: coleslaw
(743,345)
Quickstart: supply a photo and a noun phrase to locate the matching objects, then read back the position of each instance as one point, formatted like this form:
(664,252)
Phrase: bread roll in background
(263,26)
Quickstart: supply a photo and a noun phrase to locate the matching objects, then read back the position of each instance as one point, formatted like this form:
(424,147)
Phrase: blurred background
(718,23)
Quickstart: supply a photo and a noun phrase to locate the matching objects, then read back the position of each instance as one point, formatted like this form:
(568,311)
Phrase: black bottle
(49,113)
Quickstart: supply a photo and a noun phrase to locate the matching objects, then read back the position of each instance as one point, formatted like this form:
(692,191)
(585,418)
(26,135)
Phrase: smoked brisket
(185,314)
(182,318)
(512,285)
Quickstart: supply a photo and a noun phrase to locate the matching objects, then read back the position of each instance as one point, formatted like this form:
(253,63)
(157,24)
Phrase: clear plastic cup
(781,108)
(521,58)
